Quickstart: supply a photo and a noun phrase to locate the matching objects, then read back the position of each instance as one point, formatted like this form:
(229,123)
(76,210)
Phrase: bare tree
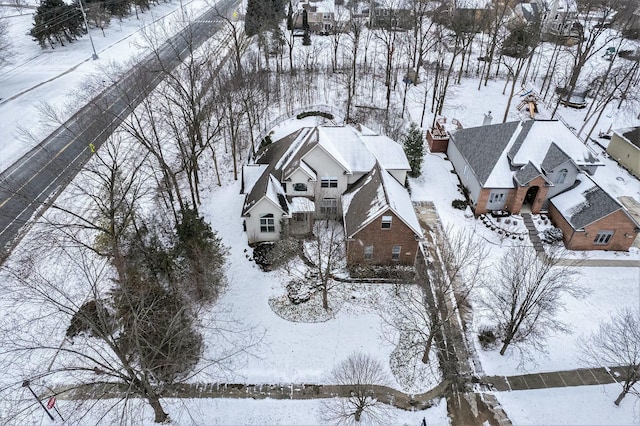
(617,344)
(5,44)
(526,293)
(325,250)
(361,373)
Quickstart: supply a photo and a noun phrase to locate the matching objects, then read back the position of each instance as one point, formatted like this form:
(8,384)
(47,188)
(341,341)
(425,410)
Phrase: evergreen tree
(262,15)
(290,18)
(56,21)
(413,148)
(305,20)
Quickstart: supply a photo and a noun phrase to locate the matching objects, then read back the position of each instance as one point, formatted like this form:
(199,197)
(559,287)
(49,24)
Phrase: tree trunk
(427,349)
(505,345)
(325,301)
(620,397)
(160,415)
(358,414)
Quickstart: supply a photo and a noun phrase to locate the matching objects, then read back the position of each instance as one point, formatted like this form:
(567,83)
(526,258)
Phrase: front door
(530,196)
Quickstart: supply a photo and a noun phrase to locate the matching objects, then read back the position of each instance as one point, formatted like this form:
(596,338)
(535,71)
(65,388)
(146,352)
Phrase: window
(495,197)
(328,182)
(562,176)
(368,252)
(299,187)
(395,252)
(267,223)
(603,237)
(299,217)
(329,206)
(386,222)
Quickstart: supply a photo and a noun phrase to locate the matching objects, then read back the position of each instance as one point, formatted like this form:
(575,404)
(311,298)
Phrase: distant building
(624,147)
(390,14)
(320,16)
(558,18)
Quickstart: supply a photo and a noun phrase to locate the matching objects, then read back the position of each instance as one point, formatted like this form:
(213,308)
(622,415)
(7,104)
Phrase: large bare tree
(361,373)
(525,294)
(617,344)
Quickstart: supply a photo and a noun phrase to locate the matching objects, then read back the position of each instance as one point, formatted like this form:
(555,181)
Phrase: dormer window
(562,176)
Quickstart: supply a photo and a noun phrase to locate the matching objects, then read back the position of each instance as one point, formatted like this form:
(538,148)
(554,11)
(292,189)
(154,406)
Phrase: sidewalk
(554,379)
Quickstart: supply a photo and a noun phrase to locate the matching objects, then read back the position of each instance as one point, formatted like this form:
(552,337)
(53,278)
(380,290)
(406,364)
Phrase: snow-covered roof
(374,194)
(585,203)
(471,4)
(250,175)
(302,205)
(388,152)
(345,145)
(495,152)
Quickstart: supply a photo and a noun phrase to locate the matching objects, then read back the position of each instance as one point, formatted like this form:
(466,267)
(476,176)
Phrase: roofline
(246,212)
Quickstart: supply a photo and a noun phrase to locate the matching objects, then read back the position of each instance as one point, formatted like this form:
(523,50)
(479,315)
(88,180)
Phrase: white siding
(262,207)
(464,172)
(300,177)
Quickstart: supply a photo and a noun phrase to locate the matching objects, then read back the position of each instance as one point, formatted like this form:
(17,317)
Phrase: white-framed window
(496,197)
(603,237)
(329,182)
(386,222)
(395,252)
(267,223)
(329,206)
(561,176)
(368,252)
(299,187)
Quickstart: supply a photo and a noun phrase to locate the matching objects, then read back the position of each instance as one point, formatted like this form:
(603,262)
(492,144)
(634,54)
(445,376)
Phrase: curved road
(28,185)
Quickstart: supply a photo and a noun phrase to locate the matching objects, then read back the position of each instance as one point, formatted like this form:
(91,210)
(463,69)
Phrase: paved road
(29,185)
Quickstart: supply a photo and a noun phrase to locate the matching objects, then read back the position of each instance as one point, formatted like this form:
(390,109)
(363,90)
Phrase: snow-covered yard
(305,352)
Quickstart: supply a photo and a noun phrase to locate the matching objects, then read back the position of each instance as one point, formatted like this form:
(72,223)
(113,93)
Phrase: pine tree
(413,148)
(290,18)
(56,21)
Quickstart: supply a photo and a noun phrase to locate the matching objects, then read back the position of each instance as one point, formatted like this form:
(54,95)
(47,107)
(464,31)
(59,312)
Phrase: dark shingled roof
(526,126)
(555,156)
(633,136)
(365,196)
(598,205)
(482,146)
(270,155)
(526,174)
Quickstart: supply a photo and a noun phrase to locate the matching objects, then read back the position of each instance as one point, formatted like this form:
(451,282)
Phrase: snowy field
(296,352)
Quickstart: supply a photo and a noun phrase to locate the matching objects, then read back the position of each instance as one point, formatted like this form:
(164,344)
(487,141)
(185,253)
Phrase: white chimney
(487,119)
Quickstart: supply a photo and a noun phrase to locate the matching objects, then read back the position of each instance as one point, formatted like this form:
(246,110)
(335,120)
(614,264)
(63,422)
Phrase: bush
(298,292)
(487,338)
(459,204)
(326,115)
(551,235)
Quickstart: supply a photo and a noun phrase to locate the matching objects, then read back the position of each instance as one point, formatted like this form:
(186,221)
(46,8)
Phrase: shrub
(326,115)
(459,204)
(487,338)
(551,235)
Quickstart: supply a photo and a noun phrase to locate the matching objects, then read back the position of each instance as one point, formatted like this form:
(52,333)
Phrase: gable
(585,203)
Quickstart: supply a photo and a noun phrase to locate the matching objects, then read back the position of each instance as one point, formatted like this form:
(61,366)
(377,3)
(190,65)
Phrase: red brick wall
(618,221)
(515,204)
(437,144)
(383,241)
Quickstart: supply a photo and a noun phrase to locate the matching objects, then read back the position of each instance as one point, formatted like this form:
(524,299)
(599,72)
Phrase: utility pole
(86,25)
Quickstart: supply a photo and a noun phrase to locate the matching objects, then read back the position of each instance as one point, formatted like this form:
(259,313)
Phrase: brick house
(590,219)
(380,224)
(540,166)
(510,165)
(304,175)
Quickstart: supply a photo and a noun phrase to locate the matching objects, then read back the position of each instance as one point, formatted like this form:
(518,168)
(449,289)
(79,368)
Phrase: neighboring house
(541,165)
(380,224)
(624,147)
(390,14)
(304,175)
(320,16)
(470,15)
(510,165)
(590,219)
(558,18)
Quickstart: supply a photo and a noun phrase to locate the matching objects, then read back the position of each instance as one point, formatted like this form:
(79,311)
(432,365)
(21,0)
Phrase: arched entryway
(531,195)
